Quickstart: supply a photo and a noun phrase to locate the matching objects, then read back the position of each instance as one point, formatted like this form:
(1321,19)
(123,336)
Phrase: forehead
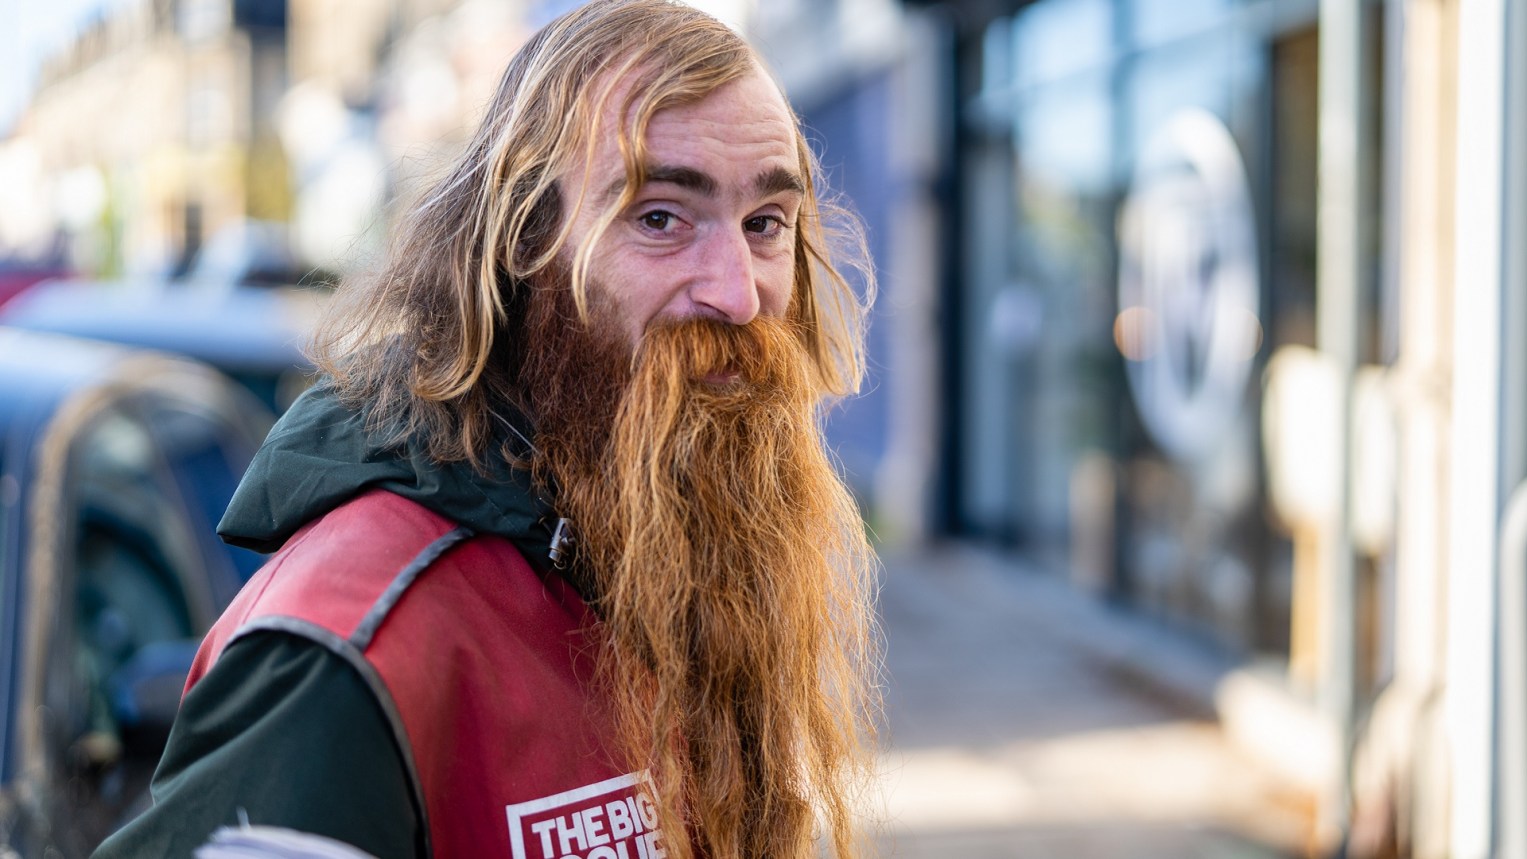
(744,123)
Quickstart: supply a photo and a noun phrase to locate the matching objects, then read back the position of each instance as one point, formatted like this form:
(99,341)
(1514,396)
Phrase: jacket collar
(319,455)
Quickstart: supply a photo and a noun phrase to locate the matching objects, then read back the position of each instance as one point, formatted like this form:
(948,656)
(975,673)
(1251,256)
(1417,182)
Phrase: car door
(123,575)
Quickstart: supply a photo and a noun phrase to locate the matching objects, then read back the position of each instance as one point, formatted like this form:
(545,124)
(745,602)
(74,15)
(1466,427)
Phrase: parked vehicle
(115,465)
(17,276)
(252,334)
(252,253)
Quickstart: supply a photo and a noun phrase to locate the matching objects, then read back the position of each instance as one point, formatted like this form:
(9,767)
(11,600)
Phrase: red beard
(729,565)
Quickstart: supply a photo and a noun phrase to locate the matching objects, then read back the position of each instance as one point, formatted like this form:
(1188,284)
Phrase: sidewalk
(1026,720)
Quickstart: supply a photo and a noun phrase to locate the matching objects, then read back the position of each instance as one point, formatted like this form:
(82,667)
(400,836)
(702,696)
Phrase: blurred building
(152,129)
(383,93)
(167,123)
(1232,310)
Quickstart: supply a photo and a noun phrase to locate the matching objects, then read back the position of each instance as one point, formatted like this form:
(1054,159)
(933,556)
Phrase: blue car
(253,334)
(116,463)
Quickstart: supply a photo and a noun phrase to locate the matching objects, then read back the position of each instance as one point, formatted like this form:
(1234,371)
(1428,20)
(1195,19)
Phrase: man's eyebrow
(685,177)
(778,180)
(774,181)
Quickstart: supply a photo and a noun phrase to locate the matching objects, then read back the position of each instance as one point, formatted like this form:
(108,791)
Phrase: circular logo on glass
(1188,293)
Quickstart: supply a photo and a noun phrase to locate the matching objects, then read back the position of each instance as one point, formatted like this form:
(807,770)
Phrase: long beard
(731,572)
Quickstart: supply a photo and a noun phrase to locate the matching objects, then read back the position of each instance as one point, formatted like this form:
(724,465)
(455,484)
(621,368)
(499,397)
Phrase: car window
(204,452)
(133,557)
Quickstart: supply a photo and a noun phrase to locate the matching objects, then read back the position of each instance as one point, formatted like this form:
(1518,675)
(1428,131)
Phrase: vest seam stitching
(372,621)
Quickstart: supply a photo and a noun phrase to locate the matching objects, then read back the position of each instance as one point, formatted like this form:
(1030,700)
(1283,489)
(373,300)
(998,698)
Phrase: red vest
(480,664)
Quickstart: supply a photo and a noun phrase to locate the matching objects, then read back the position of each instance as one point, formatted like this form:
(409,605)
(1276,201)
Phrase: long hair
(429,343)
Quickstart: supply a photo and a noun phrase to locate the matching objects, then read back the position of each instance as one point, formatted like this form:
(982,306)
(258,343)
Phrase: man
(563,567)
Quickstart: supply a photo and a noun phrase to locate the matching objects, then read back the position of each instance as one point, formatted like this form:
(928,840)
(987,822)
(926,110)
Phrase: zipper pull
(562,542)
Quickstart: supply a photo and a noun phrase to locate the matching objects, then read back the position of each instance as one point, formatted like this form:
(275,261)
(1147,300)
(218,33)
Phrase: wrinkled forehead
(625,105)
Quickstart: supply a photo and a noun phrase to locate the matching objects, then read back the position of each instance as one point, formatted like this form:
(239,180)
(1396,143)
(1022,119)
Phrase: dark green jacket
(282,732)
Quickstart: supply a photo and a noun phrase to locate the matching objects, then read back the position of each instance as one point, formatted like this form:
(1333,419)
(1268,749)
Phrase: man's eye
(658,220)
(763,224)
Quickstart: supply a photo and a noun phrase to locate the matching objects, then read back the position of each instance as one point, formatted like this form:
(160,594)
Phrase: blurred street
(1219,306)
(1027,720)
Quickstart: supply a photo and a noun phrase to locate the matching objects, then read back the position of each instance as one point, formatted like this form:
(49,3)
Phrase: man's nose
(725,287)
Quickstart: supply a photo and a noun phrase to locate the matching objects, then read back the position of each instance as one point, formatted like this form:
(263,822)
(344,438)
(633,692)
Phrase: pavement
(1027,719)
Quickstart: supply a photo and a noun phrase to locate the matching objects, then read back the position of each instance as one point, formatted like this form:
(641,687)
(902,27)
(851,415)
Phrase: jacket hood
(319,455)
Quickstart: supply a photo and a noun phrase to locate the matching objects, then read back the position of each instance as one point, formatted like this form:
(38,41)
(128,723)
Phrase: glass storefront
(1139,202)
(1149,402)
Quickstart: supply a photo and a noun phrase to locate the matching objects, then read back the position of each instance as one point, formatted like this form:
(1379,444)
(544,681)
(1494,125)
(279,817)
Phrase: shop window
(1156,22)
(1295,157)
(1054,39)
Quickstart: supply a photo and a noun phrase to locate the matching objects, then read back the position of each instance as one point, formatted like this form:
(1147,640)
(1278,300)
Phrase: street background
(1194,436)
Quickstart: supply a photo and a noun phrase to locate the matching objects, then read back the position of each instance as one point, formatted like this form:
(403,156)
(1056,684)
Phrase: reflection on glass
(1158,21)
(1064,136)
(1053,39)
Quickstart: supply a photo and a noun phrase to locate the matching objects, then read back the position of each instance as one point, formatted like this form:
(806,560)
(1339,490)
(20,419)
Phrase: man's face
(712,232)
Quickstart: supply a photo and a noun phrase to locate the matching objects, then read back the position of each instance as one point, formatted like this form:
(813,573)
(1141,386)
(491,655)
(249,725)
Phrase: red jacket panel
(482,666)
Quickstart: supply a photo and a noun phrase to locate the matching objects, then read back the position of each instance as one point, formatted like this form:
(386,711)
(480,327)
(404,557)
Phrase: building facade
(154,128)
(1232,325)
